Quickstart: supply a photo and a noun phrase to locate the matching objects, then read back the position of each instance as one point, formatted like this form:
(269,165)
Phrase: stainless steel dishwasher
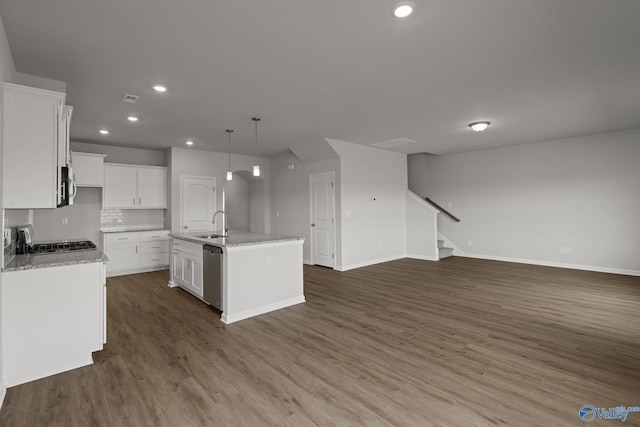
(212,275)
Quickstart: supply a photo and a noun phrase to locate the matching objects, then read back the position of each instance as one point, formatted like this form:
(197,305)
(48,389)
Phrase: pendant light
(256,167)
(229,173)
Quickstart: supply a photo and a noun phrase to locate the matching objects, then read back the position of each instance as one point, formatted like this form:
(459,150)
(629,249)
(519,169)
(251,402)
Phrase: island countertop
(235,238)
(31,261)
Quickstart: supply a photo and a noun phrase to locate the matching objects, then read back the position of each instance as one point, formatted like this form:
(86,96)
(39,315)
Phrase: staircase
(442,251)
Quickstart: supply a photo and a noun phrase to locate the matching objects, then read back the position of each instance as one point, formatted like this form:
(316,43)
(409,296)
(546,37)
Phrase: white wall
(373,213)
(422,228)
(524,203)
(83,219)
(237,194)
(191,162)
(7,74)
(126,155)
(290,196)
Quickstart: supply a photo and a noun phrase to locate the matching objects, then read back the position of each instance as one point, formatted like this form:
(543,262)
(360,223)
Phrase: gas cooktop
(49,248)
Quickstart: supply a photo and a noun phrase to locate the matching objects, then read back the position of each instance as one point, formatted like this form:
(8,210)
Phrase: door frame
(215,199)
(333,196)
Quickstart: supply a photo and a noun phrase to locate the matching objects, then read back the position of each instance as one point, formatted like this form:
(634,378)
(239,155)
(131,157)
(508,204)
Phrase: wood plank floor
(460,342)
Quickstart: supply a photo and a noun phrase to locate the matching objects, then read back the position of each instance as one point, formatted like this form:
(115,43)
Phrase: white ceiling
(346,70)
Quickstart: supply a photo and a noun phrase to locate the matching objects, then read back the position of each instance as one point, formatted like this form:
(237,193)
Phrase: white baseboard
(261,310)
(423,257)
(173,284)
(368,263)
(306,261)
(136,271)
(3,393)
(556,264)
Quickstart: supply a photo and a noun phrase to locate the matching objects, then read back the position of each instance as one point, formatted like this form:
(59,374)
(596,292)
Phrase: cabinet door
(120,184)
(196,283)
(30,131)
(88,169)
(152,188)
(122,256)
(177,268)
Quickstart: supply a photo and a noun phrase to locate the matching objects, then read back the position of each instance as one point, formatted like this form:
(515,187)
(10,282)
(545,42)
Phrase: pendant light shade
(229,173)
(256,167)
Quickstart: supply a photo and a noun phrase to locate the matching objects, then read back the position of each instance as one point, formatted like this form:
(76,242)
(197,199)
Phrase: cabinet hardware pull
(140,201)
(155,259)
(134,201)
(123,238)
(154,247)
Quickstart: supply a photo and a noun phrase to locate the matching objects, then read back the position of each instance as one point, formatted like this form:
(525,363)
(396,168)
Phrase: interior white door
(322,219)
(198,196)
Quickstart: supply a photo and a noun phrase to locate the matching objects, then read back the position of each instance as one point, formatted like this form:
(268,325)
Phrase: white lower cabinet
(136,252)
(53,319)
(186,266)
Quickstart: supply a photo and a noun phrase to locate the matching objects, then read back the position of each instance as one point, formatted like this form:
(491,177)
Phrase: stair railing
(441,209)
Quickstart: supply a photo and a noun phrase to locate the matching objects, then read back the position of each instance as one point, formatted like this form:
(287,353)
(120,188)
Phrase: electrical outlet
(277,213)
(449,205)
(269,261)
(65,220)
(470,243)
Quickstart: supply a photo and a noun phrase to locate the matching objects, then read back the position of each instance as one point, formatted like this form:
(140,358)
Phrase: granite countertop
(235,238)
(31,261)
(128,229)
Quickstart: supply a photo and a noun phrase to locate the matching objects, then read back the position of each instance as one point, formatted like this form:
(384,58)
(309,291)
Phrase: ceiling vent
(130,99)
(393,143)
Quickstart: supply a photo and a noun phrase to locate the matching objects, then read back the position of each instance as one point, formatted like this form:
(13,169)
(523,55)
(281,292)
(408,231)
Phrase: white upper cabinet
(134,187)
(88,169)
(32,121)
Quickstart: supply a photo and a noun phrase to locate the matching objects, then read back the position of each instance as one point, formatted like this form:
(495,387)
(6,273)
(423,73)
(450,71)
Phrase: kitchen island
(260,272)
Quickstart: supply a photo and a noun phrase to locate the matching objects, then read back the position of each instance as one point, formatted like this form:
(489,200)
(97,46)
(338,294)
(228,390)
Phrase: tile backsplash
(131,218)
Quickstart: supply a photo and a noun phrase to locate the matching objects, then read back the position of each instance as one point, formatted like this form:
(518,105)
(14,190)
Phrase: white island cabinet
(53,319)
(260,272)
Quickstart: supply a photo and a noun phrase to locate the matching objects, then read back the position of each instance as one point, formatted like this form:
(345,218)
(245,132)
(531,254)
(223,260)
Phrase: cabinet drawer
(154,235)
(194,249)
(154,247)
(112,238)
(152,260)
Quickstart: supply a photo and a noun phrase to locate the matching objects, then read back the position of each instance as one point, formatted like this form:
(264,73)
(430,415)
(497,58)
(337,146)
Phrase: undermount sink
(211,236)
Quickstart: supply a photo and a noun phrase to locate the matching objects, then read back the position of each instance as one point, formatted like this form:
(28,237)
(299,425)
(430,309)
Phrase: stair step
(440,244)
(445,252)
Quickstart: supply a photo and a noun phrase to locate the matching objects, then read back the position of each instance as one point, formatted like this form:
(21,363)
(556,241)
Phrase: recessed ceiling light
(403,9)
(189,142)
(132,118)
(104,131)
(160,88)
(479,126)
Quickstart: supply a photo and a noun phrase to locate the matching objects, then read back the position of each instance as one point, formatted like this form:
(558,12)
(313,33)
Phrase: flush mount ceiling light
(104,131)
(256,167)
(479,126)
(229,173)
(132,119)
(189,142)
(403,9)
(160,88)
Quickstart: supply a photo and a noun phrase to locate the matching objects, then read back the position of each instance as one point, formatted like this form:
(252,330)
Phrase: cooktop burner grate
(47,248)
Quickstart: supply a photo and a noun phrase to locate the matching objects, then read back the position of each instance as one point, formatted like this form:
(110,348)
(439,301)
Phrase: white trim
(136,270)
(3,393)
(261,310)
(307,262)
(423,257)
(371,262)
(333,196)
(172,284)
(556,264)
(422,201)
